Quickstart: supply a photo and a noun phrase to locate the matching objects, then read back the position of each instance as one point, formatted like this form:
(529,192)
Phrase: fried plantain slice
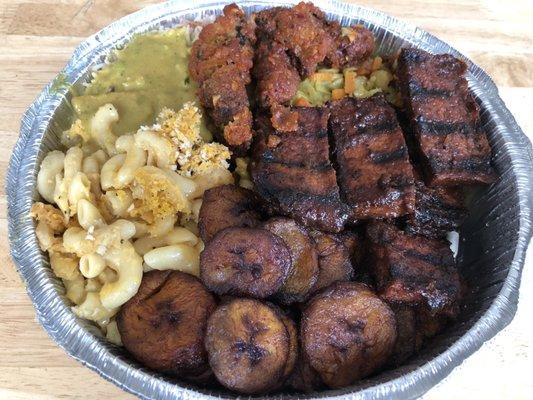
(334,259)
(304,378)
(226,206)
(347,333)
(245,262)
(163,325)
(293,346)
(248,346)
(304,259)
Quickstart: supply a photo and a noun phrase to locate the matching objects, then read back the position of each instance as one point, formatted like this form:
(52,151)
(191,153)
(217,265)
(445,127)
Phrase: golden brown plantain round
(347,333)
(248,345)
(227,206)
(303,377)
(246,262)
(334,260)
(163,325)
(304,259)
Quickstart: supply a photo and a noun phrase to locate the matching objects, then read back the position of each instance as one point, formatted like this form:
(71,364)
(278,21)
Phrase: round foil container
(492,246)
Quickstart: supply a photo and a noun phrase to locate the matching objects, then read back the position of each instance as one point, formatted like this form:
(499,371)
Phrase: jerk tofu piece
(438,210)
(375,176)
(444,117)
(413,270)
(292,171)
(220,62)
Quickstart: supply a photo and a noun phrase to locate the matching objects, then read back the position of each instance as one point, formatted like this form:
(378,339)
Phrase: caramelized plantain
(293,346)
(334,259)
(248,344)
(245,262)
(304,378)
(304,259)
(347,333)
(163,325)
(226,206)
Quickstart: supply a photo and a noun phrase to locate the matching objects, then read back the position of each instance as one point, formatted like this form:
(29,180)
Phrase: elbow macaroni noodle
(120,206)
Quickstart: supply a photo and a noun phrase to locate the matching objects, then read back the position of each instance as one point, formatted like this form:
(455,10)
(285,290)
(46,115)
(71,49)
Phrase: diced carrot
(377,63)
(349,81)
(301,102)
(337,94)
(322,77)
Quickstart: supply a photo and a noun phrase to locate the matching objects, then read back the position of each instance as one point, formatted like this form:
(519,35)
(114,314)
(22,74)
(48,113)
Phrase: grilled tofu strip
(413,270)
(375,176)
(292,171)
(445,119)
(438,210)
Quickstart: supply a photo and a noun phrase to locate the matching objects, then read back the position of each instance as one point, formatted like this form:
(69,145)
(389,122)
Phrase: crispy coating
(302,30)
(352,46)
(164,324)
(444,117)
(304,259)
(347,333)
(245,261)
(375,176)
(227,206)
(220,61)
(277,79)
(248,345)
(413,270)
(334,259)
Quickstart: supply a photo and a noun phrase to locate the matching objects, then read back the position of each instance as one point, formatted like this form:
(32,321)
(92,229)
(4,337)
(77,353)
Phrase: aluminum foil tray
(492,244)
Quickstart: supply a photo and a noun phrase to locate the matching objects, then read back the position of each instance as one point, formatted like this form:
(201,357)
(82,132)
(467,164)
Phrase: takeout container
(493,240)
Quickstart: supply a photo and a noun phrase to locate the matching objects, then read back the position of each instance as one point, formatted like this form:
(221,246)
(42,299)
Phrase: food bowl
(492,244)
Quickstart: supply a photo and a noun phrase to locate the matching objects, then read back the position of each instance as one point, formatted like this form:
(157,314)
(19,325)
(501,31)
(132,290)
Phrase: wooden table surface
(36,40)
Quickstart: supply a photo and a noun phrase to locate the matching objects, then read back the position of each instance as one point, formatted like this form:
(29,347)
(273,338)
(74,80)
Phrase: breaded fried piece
(352,46)
(444,117)
(220,61)
(301,30)
(413,270)
(375,176)
(292,171)
(277,79)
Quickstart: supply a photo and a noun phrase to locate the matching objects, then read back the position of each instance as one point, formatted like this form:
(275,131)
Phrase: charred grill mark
(417,90)
(383,157)
(269,158)
(471,165)
(443,128)
(445,117)
(433,259)
(383,125)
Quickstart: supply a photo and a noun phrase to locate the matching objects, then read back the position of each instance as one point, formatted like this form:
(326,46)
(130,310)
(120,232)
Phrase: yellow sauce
(148,74)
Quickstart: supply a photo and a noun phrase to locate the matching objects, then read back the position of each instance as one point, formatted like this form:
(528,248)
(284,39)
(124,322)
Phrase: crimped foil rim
(72,334)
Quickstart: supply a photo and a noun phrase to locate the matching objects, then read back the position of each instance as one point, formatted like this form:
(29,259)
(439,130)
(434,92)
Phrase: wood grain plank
(37,38)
